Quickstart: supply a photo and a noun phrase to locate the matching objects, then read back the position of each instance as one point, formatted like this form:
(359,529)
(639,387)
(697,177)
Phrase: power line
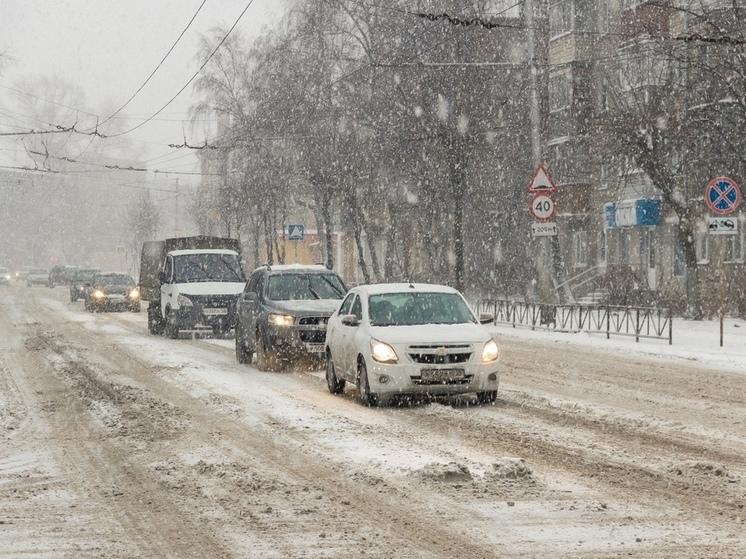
(207,60)
(139,89)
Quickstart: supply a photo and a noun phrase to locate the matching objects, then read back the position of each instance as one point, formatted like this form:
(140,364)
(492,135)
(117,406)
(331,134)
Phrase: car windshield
(115,279)
(412,309)
(303,287)
(204,267)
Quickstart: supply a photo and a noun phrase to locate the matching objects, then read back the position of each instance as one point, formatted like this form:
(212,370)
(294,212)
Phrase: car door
(167,288)
(247,308)
(335,334)
(348,348)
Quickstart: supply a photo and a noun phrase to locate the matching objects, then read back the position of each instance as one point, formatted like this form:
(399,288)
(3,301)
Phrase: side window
(168,267)
(345,308)
(253,282)
(260,286)
(357,308)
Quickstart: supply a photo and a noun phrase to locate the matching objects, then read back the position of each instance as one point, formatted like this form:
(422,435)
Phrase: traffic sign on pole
(296,232)
(542,206)
(541,181)
(723,196)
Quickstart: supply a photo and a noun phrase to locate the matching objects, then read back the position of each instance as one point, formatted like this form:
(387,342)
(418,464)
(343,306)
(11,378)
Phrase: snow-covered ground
(693,341)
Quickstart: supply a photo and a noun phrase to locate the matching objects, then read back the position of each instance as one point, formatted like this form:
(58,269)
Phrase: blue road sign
(296,232)
(723,195)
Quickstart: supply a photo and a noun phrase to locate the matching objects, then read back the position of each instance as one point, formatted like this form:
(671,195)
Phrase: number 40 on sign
(542,207)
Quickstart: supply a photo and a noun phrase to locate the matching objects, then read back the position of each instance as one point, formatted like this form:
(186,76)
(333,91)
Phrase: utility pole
(544,256)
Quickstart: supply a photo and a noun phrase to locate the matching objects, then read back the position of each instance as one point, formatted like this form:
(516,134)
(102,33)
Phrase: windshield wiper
(310,289)
(334,287)
(230,268)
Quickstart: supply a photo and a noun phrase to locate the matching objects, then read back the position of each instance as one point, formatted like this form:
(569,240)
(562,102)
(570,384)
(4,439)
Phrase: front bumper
(407,378)
(297,340)
(208,315)
(113,302)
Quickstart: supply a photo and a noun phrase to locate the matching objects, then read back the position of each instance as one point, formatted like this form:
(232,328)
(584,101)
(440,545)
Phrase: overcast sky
(108,47)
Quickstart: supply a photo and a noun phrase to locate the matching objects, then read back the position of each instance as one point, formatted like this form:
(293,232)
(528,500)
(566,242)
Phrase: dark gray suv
(283,312)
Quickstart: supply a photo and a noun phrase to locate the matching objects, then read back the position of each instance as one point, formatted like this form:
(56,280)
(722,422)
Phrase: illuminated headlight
(490,353)
(134,294)
(184,301)
(7,276)
(383,353)
(98,294)
(281,319)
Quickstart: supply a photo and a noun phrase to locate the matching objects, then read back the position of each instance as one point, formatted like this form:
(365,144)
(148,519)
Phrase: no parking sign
(723,196)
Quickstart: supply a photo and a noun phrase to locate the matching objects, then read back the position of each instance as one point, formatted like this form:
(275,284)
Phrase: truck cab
(191,283)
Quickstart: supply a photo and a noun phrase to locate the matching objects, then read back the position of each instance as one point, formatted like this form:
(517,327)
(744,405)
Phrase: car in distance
(112,291)
(4,276)
(392,339)
(60,275)
(37,276)
(79,281)
(283,313)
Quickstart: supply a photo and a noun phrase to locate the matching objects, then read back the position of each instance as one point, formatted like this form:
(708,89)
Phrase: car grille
(214,301)
(313,320)
(312,336)
(434,359)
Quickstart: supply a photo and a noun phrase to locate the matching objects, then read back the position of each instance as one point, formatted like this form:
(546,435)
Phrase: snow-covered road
(118,444)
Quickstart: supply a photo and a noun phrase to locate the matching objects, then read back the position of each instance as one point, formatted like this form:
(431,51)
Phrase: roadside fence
(637,322)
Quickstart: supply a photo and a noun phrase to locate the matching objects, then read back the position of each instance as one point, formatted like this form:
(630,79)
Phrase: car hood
(311,307)
(432,334)
(210,288)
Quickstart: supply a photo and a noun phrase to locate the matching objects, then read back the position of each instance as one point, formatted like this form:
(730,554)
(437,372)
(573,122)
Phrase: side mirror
(162,277)
(350,320)
(486,318)
(249,297)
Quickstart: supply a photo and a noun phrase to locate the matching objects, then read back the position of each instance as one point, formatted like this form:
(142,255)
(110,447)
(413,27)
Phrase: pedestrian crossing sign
(296,232)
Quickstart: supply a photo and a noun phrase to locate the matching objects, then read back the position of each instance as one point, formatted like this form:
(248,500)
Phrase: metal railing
(637,322)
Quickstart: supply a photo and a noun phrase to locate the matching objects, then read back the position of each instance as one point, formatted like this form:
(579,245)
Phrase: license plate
(442,375)
(215,312)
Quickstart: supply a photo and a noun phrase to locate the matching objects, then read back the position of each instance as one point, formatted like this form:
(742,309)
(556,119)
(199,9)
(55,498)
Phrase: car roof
(285,268)
(203,251)
(383,288)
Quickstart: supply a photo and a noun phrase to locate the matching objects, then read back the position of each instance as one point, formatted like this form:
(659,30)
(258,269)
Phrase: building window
(560,18)
(624,247)
(580,248)
(603,247)
(603,16)
(647,249)
(603,182)
(734,245)
(679,259)
(560,92)
(702,247)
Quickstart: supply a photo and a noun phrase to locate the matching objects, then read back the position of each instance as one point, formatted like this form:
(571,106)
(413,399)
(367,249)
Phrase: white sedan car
(393,339)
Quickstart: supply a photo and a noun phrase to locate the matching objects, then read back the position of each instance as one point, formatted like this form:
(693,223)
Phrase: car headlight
(98,294)
(134,294)
(7,276)
(184,301)
(490,353)
(281,319)
(383,353)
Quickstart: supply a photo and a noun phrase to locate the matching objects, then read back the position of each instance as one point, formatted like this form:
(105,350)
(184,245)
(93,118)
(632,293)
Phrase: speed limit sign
(542,207)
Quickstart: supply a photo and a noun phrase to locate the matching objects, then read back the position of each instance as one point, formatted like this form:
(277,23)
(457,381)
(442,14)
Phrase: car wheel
(171,329)
(367,397)
(243,355)
(335,384)
(487,397)
(265,358)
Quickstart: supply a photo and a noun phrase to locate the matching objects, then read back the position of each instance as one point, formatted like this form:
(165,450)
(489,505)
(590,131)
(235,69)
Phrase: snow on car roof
(202,251)
(295,268)
(382,288)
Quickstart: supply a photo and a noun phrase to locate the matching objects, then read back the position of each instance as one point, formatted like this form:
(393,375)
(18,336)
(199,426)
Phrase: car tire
(266,360)
(368,398)
(335,384)
(171,329)
(243,355)
(489,397)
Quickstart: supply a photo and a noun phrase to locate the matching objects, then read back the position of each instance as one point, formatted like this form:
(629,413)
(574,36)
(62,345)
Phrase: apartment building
(619,235)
